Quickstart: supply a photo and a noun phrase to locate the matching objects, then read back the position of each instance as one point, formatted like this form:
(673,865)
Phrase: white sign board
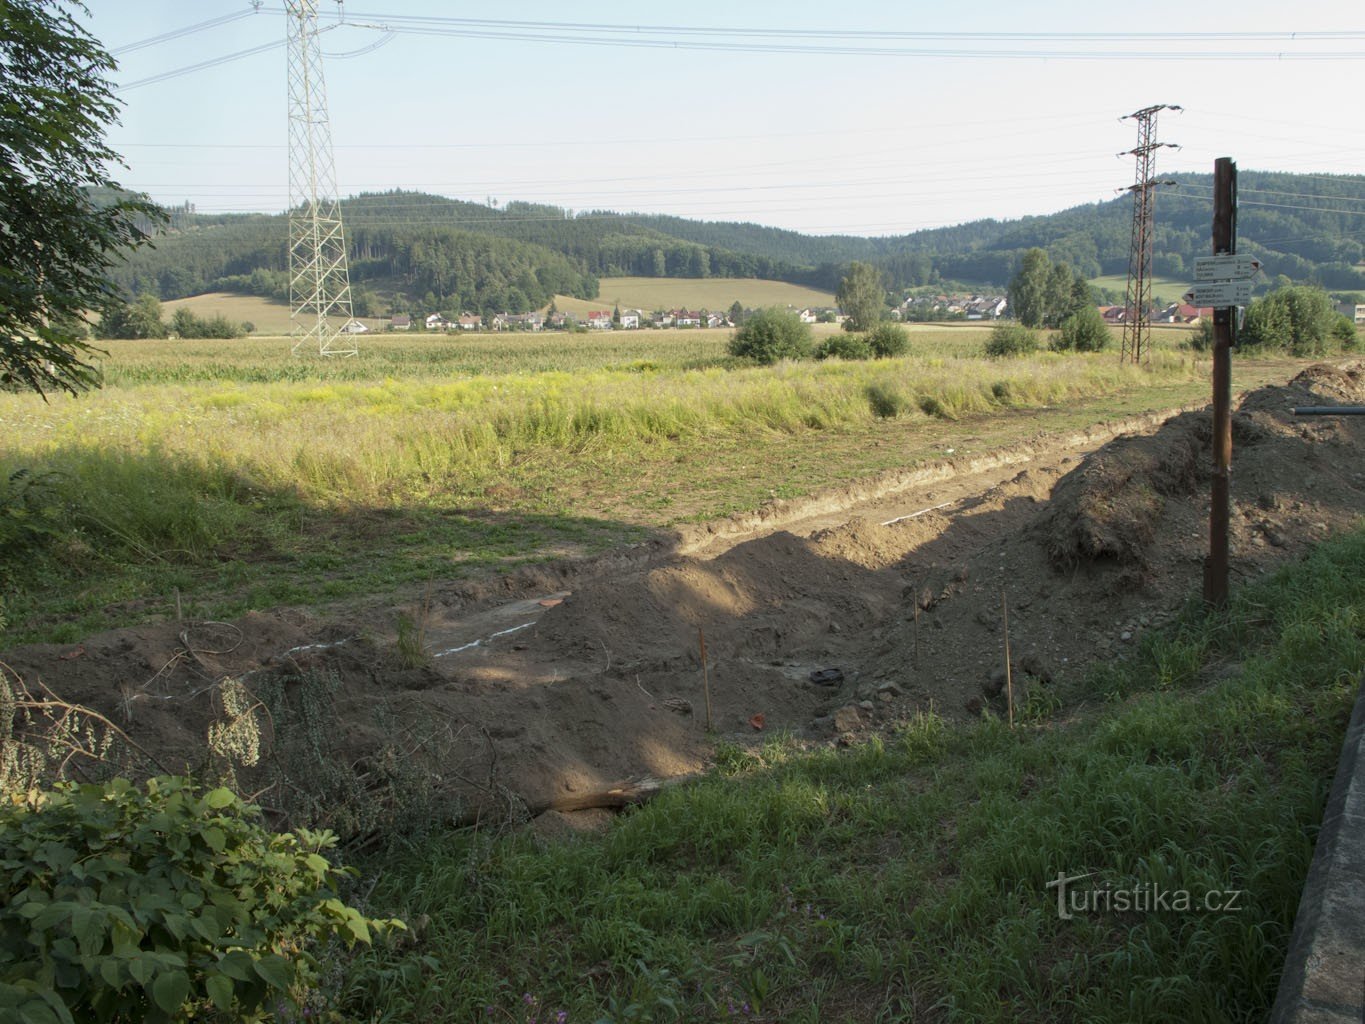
(1219,294)
(1226,268)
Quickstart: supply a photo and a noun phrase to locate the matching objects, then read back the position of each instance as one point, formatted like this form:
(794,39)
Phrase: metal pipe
(1329,410)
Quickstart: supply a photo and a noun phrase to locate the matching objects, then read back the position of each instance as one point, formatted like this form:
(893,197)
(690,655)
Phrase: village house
(599,320)
(436,322)
(630,319)
(686,318)
(469,322)
(523,321)
(400,322)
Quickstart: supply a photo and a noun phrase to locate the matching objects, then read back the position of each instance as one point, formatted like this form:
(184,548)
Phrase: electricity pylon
(1137,305)
(319,281)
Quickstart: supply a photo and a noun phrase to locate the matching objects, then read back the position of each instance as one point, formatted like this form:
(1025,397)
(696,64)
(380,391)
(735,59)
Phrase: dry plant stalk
(705,676)
(1009,679)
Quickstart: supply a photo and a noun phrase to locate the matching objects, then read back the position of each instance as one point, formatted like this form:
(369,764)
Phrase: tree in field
(770,335)
(736,313)
(1028,290)
(140,318)
(862,296)
(62,220)
(1043,293)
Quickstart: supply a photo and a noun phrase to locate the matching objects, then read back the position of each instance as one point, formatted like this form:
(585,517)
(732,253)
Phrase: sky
(864,117)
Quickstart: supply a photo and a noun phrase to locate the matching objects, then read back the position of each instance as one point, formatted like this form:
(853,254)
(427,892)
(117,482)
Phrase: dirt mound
(540,689)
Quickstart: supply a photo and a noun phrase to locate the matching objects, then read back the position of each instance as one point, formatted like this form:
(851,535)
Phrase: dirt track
(553,682)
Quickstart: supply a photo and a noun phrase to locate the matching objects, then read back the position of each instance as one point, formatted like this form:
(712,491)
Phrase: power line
(212,63)
(179,33)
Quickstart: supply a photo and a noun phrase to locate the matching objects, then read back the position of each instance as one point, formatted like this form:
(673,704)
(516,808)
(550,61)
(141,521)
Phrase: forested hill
(453,254)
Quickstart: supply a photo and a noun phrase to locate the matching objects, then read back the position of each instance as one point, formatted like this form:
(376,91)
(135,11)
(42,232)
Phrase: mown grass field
(714,293)
(1169,289)
(907,878)
(229,475)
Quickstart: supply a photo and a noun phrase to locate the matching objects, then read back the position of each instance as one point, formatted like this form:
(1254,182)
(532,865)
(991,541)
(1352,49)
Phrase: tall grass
(215,452)
(385,440)
(907,877)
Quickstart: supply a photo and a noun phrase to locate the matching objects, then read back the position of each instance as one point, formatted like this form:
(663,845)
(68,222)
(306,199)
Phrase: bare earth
(555,683)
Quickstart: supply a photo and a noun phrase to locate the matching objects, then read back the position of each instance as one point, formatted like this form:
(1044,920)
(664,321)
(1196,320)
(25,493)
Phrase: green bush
(1299,319)
(770,335)
(1201,338)
(159,904)
(1344,331)
(1083,331)
(1011,340)
(843,346)
(887,340)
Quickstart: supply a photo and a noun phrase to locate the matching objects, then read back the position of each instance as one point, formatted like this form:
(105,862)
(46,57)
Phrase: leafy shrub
(1201,338)
(843,346)
(1083,331)
(1011,340)
(1344,331)
(1001,391)
(887,340)
(770,335)
(159,904)
(886,402)
(1299,319)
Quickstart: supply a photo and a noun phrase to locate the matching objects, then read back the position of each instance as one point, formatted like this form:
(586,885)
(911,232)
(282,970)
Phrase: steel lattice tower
(1138,304)
(319,281)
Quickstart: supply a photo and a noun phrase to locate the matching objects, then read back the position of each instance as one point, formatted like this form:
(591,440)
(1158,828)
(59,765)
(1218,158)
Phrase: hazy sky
(747,111)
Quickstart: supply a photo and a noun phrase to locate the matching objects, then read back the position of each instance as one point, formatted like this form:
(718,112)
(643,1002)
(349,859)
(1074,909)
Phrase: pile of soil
(551,684)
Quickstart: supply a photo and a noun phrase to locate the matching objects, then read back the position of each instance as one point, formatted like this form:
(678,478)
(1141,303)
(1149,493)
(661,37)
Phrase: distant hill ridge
(449,253)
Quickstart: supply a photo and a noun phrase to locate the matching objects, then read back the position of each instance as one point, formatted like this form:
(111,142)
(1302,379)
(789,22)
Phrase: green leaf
(220,991)
(170,990)
(355,924)
(274,971)
(219,798)
(215,838)
(237,964)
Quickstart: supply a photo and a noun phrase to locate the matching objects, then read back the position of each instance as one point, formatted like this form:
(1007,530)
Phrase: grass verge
(907,878)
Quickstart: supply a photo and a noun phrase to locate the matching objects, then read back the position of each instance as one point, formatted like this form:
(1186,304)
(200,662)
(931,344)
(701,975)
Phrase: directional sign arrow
(1226,268)
(1219,294)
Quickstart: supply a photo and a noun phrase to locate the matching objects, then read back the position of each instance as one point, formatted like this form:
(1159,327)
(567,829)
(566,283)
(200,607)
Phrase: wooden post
(1224,324)
(705,677)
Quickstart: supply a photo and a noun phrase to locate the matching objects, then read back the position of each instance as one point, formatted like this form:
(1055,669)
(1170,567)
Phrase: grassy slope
(1168,289)
(906,878)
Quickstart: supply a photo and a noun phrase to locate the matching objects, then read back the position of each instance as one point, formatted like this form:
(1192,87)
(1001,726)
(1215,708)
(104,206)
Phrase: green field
(711,293)
(230,472)
(1166,289)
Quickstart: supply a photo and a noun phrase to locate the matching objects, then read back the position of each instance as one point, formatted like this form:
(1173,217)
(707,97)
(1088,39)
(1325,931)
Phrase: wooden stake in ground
(1224,330)
(1009,680)
(705,676)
